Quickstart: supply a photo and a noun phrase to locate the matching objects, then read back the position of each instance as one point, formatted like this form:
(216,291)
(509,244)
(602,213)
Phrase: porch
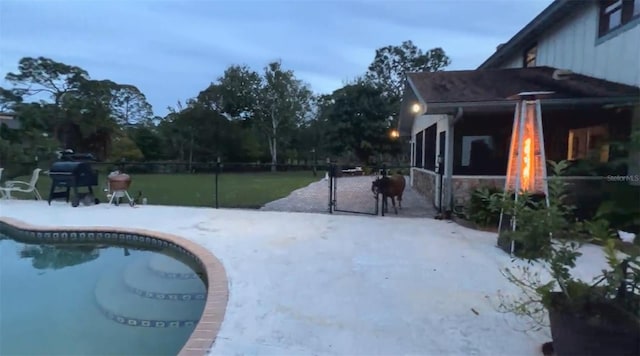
(458,146)
(584,136)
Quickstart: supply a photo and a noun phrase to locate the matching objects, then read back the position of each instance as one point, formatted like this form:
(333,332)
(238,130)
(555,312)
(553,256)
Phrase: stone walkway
(354,194)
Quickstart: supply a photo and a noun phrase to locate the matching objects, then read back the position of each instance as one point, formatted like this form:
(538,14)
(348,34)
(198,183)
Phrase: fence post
(217,173)
(330,174)
(384,199)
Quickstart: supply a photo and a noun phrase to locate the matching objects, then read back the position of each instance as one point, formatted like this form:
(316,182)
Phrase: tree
(88,124)
(80,112)
(317,127)
(283,102)
(358,121)
(129,106)
(232,97)
(44,75)
(125,148)
(8,100)
(387,71)
(235,93)
(149,141)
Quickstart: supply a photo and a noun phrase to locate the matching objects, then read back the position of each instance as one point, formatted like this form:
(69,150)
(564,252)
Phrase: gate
(362,195)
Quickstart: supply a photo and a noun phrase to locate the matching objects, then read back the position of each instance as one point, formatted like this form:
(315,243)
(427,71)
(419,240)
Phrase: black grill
(72,175)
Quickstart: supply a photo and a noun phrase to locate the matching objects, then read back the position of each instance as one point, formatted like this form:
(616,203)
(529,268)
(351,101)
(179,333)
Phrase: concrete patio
(319,284)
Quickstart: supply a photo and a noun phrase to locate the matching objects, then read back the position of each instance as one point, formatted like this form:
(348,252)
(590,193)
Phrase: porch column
(448,168)
(412,144)
(412,148)
(634,155)
(422,153)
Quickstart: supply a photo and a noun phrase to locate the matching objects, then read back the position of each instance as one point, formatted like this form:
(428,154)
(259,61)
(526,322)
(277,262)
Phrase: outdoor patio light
(394,134)
(526,169)
(416,108)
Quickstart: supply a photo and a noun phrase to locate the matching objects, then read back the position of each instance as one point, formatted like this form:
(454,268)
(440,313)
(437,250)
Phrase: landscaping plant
(599,317)
(481,210)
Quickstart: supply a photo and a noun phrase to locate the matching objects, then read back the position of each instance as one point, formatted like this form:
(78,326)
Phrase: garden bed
(471,225)
(622,246)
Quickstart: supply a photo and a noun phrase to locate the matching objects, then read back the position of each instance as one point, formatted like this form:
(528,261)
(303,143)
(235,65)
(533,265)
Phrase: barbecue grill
(72,175)
(117,185)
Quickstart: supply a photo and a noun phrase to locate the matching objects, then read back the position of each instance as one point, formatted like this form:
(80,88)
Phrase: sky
(173,49)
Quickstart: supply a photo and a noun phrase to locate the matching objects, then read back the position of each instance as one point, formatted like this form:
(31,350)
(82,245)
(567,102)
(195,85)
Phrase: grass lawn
(246,190)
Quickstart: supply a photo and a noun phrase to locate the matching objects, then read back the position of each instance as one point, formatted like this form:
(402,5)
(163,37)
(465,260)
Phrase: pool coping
(206,331)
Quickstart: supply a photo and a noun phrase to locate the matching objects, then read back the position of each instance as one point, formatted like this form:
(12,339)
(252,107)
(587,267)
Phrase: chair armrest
(11,183)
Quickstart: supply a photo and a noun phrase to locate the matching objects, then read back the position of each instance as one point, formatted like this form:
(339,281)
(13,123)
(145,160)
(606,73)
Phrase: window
(589,143)
(615,13)
(430,148)
(530,56)
(419,150)
(476,150)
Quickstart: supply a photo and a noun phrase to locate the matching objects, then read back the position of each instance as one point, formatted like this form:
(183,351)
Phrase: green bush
(621,207)
(402,171)
(482,209)
(537,222)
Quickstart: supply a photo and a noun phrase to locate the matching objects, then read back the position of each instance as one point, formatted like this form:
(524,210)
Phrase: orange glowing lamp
(526,170)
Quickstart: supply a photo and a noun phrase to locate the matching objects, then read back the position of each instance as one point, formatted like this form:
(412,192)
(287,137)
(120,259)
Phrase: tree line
(244,115)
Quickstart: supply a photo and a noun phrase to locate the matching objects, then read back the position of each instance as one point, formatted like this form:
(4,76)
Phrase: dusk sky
(171,50)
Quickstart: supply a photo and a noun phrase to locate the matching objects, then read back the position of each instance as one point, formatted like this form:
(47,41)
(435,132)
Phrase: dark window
(615,13)
(418,154)
(430,148)
(530,56)
(476,150)
(589,143)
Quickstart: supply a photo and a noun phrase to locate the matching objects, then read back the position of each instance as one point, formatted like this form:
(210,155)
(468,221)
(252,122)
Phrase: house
(594,38)
(10,121)
(460,122)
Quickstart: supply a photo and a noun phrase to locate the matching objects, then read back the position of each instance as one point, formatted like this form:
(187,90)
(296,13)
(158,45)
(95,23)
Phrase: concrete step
(170,268)
(121,305)
(140,280)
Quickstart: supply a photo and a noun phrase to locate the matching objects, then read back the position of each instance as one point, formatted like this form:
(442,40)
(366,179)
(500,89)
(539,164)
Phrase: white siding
(425,121)
(573,44)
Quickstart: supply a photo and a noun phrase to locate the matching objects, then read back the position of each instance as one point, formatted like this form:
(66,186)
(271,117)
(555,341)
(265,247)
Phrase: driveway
(353,194)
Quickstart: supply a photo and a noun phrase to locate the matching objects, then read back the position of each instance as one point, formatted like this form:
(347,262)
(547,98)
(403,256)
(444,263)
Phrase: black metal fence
(357,199)
(210,184)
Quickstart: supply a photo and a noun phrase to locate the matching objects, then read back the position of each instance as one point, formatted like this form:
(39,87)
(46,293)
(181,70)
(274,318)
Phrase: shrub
(482,209)
(617,285)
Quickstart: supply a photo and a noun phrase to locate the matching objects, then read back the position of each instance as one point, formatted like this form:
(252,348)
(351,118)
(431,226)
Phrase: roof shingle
(498,84)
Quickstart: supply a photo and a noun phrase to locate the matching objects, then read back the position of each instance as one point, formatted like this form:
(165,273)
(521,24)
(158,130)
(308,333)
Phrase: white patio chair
(20,186)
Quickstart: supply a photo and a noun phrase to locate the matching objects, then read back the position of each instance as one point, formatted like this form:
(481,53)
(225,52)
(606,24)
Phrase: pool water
(95,300)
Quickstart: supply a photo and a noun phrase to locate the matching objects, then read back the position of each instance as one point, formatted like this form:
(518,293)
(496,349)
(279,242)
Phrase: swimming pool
(84,296)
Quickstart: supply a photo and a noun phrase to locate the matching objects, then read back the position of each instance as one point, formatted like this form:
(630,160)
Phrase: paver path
(353,193)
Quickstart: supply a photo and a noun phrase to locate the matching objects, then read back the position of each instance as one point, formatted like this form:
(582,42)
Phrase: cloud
(173,49)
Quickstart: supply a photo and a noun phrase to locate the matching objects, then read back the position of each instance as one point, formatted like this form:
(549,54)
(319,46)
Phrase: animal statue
(390,186)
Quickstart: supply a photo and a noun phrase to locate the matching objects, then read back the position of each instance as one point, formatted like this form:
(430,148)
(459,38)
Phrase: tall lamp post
(526,169)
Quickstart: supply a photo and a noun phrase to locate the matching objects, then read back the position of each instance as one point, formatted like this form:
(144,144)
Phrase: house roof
(10,120)
(552,14)
(499,84)
(448,90)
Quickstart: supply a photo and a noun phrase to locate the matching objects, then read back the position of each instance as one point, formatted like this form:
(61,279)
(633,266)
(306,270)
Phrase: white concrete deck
(311,284)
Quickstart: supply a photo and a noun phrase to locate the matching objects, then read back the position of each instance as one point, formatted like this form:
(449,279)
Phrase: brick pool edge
(204,335)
